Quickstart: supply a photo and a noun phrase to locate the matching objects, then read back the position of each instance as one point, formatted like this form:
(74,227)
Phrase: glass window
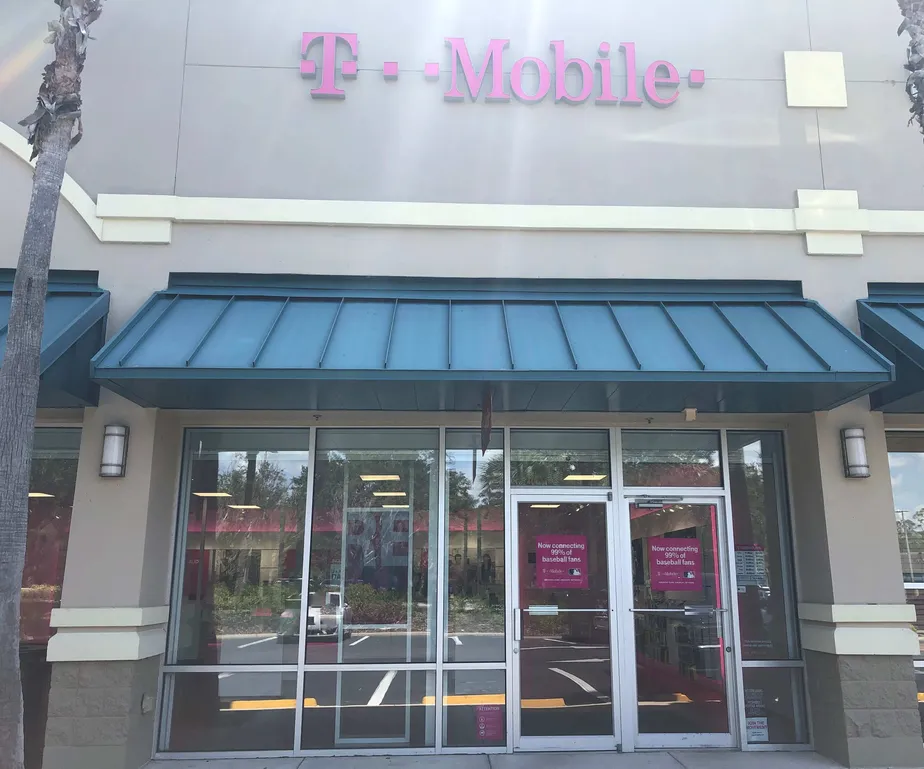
(774,705)
(241,570)
(560,458)
(369,709)
(53,480)
(372,581)
(906,466)
(680,458)
(474,709)
(215,712)
(475,548)
(757,479)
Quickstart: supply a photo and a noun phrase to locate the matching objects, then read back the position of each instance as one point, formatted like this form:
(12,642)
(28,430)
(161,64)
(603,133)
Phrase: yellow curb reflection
(679,699)
(310,702)
(554,702)
(467,699)
(453,699)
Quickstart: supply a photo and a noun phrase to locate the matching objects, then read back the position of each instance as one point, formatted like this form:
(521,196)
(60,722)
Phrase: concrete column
(111,627)
(855,625)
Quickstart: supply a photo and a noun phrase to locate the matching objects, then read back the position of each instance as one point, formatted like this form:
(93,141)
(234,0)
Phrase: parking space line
(254,643)
(579,681)
(381,690)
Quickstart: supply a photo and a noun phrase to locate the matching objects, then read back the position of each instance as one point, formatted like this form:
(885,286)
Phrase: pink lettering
(328,88)
(516,79)
(653,80)
(561,69)
(606,76)
(631,75)
(493,60)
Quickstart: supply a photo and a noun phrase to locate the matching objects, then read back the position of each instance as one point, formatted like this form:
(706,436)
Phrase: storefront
(404,391)
(629,588)
(421,590)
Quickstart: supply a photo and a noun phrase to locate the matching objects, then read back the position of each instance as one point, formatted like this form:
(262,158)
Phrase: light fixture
(210,494)
(584,477)
(853,449)
(40,495)
(689,415)
(380,477)
(389,493)
(115,451)
(395,507)
(545,507)
(244,507)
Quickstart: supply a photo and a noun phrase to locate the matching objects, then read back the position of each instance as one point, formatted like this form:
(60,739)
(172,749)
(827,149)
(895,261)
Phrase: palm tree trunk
(19,383)
(52,134)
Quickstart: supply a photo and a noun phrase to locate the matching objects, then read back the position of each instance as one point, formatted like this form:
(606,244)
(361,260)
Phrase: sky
(907,470)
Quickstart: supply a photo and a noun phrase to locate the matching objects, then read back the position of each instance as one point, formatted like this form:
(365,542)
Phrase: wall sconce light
(115,450)
(853,447)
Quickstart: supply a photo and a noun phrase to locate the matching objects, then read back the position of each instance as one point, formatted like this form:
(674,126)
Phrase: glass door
(682,626)
(562,648)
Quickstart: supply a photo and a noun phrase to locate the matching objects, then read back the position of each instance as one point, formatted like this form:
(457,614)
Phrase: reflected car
(324,620)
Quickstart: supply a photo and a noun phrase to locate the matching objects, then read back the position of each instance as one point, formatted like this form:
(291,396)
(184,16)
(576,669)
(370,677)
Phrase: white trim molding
(859,629)
(107,634)
(72,192)
(831,220)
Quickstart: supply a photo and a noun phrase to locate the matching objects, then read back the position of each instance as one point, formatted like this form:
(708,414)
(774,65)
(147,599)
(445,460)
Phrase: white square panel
(815,79)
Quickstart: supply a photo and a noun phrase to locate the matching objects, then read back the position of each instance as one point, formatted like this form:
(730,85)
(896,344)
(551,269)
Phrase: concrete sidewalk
(674,759)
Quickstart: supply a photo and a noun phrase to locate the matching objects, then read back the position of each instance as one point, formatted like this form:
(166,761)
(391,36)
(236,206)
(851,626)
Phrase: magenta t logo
(328,88)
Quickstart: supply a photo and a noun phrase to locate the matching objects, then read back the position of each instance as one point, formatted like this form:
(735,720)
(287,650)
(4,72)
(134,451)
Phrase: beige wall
(845,537)
(120,539)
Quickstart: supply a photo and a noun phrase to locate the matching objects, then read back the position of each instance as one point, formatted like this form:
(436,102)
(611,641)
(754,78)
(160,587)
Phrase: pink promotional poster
(561,561)
(675,564)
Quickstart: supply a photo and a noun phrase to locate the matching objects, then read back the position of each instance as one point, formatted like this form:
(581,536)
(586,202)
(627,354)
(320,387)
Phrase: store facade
(457,603)
(405,391)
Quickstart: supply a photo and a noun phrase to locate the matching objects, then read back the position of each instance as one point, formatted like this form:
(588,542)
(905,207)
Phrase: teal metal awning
(892,321)
(437,345)
(74,330)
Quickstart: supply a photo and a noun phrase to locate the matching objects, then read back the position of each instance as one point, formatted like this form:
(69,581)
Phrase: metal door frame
(729,624)
(518,743)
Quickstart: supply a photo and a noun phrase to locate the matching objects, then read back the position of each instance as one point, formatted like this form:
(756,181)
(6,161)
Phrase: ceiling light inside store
(396,507)
(40,495)
(584,477)
(244,507)
(389,493)
(210,494)
(380,477)
(545,507)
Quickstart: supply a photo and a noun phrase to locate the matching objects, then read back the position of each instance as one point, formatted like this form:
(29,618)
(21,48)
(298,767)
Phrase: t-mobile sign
(531,79)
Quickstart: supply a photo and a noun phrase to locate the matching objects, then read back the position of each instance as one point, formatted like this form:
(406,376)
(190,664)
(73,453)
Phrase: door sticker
(561,561)
(675,564)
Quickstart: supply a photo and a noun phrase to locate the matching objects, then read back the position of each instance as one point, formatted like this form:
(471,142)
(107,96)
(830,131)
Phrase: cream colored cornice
(831,221)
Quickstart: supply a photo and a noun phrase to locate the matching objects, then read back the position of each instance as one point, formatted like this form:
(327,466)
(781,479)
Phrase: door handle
(658,611)
(517,624)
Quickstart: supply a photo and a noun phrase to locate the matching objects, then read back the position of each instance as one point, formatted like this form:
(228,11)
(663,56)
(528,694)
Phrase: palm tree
(54,128)
(913,24)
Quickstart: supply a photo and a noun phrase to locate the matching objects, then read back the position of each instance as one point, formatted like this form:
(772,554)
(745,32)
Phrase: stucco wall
(204,97)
